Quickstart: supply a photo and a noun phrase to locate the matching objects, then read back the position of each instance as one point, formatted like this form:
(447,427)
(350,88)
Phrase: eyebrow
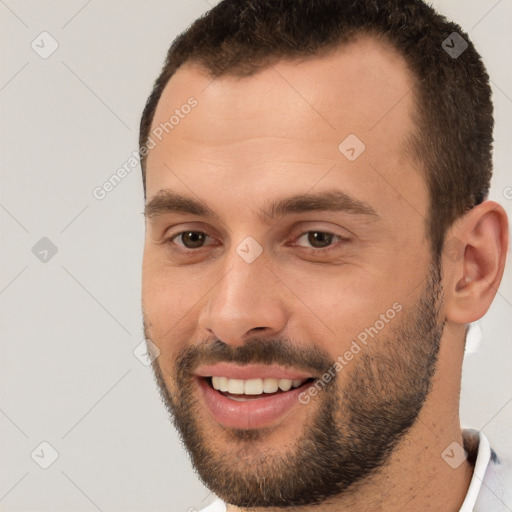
(167,201)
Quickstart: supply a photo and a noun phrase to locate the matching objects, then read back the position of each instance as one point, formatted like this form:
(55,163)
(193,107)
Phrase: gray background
(70,324)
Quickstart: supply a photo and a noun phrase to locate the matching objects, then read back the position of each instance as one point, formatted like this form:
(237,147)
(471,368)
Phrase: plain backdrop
(70,263)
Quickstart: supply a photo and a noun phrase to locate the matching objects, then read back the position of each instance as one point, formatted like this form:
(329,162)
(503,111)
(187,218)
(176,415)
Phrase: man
(318,238)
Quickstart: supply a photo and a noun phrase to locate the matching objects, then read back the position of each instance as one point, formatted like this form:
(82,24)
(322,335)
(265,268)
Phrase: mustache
(278,351)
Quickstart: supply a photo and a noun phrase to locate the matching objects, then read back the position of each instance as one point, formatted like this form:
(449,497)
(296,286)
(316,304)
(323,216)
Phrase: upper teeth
(254,386)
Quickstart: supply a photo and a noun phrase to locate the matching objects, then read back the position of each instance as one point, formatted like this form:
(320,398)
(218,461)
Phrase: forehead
(293,112)
(355,80)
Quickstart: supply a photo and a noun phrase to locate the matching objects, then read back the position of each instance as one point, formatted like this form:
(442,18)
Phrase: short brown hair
(454,113)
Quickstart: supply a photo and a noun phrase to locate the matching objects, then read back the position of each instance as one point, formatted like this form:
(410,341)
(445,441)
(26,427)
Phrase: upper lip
(250,371)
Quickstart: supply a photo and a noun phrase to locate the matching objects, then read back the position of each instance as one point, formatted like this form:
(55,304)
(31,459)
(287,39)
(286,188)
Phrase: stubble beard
(357,420)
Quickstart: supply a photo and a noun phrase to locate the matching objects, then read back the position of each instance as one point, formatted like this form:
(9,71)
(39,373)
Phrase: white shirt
(490,489)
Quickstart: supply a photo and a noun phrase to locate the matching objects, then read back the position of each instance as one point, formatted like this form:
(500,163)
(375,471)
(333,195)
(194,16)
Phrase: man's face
(299,254)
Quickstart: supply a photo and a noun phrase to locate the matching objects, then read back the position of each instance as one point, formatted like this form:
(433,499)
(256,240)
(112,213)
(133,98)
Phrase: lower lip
(253,413)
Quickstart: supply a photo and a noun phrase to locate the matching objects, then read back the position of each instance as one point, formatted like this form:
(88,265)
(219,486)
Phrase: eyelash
(307,250)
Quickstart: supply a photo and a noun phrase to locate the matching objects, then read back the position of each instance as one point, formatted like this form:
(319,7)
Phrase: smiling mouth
(242,390)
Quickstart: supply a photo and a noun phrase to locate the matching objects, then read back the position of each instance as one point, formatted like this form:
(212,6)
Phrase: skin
(276,134)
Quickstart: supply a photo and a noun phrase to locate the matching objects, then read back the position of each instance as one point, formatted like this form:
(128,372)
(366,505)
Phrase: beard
(355,421)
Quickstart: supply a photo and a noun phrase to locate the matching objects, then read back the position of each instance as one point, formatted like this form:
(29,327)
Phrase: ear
(473,261)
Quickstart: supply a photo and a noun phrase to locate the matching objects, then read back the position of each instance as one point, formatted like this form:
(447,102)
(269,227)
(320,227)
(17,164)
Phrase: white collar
(482,461)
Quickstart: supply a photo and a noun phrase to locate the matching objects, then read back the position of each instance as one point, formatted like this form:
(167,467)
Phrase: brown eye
(319,238)
(190,239)
(320,242)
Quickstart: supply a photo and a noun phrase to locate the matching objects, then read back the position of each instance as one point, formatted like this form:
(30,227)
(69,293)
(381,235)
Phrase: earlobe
(471,280)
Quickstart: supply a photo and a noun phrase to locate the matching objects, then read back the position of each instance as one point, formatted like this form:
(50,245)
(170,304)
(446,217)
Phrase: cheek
(167,291)
(170,307)
(335,307)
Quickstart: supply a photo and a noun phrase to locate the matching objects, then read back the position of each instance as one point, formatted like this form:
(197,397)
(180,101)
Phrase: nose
(246,301)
